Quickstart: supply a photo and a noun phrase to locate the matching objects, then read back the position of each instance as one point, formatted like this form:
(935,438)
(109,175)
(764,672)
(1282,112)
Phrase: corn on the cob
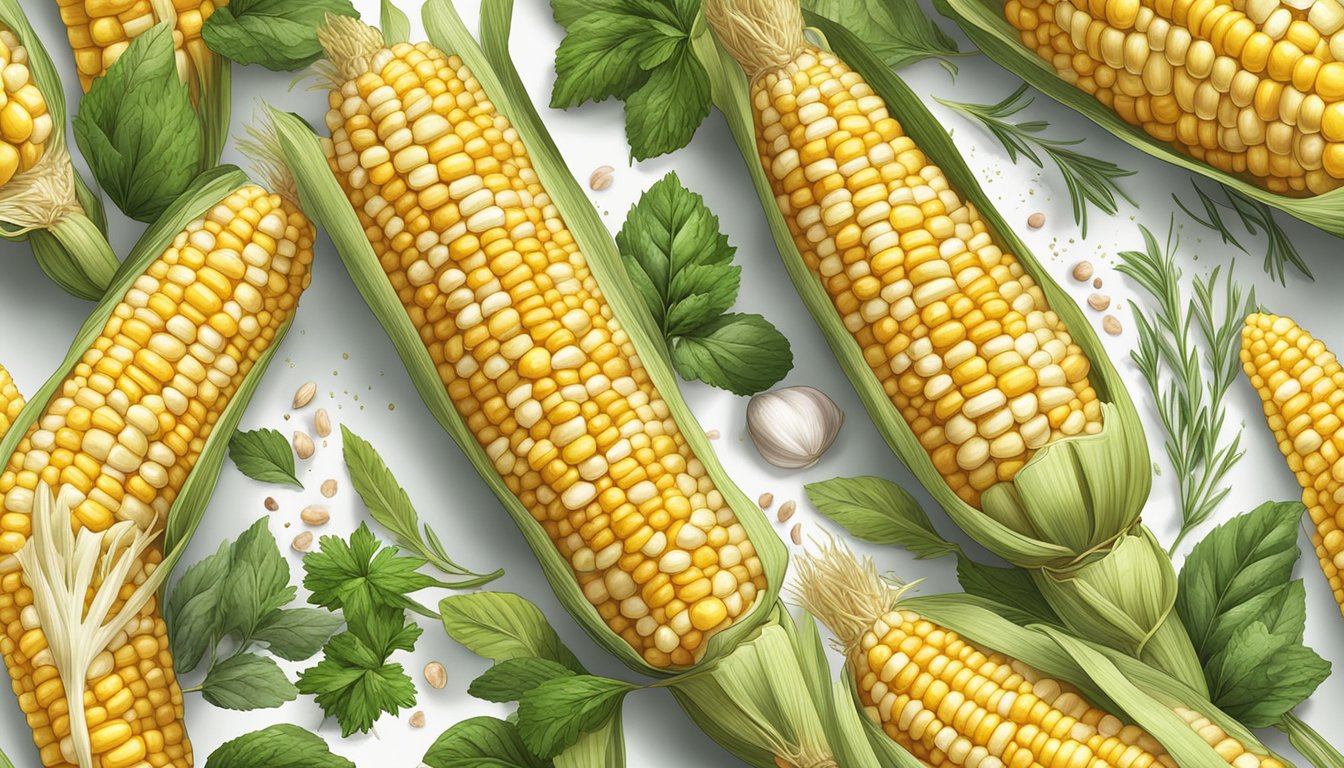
(952,703)
(1302,387)
(119,438)
(961,338)
(1252,87)
(100,30)
(528,348)
(25,125)
(11,401)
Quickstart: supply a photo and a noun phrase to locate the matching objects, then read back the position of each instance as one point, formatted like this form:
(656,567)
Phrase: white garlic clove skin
(792,427)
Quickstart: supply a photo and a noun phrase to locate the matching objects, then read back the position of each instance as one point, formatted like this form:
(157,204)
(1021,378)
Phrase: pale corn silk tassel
(763,35)
(261,143)
(843,591)
(349,45)
(40,197)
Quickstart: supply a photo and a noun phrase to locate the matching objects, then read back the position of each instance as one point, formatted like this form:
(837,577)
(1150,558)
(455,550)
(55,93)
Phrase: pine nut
(305,394)
(436,675)
(303,446)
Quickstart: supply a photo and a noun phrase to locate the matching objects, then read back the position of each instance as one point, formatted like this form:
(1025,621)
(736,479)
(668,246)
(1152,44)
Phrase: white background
(337,343)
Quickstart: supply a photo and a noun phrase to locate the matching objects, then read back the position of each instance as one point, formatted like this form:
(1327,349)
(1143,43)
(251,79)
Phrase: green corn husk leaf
(214,104)
(72,249)
(605,746)
(325,202)
(185,514)
(984,24)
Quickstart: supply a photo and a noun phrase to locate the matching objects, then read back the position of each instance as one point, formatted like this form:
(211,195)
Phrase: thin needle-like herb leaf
(1255,216)
(1090,180)
(1187,384)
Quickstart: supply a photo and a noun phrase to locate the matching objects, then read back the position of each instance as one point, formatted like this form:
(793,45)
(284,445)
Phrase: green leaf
(510,679)
(355,684)
(700,293)
(501,626)
(361,574)
(192,610)
(482,742)
(552,716)
(279,746)
(394,24)
(1016,596)
(258,581)
(138,130)
(1259,676)
(741,353)
(663,113)
(599,59)
(247,682)
(264,455)
(880,511)
(898,31)
(280,35)
(297,634)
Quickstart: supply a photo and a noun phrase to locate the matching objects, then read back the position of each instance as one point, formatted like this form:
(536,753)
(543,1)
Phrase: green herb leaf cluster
(681,265)
(1187,383)
(279,746)
(1246,615)
(1090,180)
(265,456)
(1280,253)
(235,599)
(638,51)
(897,31)
(137,128)
(280,35)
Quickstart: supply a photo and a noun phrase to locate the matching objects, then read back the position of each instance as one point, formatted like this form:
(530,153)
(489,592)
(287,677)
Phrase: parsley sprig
(1187,383)
(1255,216)
(1090,180)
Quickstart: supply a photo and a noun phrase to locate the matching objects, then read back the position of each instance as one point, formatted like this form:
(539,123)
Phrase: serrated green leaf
(898,31)
(258,581)
(501,625)
(1258,676)
(663,114)
(552,716)
(246,682)
(741,353)
(599,59)
(279,746)
(192,609)
(280,35)
(510,679)
(360,575)
(482,742)
(700,293)
(355,684)
(880,511)
(265,456)
(297,634)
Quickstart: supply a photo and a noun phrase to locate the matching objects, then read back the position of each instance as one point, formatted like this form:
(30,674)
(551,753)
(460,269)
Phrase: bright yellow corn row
(11,402)
(99,30)
(1247,86)
(1302,387)
(950,703)
(25,125)
(124,431)
(530,352)
(960,336)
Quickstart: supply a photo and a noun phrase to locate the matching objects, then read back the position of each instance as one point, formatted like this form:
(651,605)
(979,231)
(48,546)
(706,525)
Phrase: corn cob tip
(761,34)
(844,591)
(349,44)
(261,143)
(41,196)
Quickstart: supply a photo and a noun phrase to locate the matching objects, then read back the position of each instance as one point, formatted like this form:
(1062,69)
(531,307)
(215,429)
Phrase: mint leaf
(552,716)
(897,31)
(482,741)
(258,581)
(501,626)
(361,574)
(296,634)
(280,746)
(246,682)
(264,455)
(741,353)
(510,679)
(880,511)
(192,609)
(138,130)
(663,113)
(1259,676)
(599,59)
(698,294)
(280,35)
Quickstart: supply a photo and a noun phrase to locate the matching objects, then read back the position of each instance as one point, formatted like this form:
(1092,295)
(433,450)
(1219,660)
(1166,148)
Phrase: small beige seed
(436,675)
(418,719)
(786,510)
(303,445)
(329,487)
(271,504)
(1082,271)
(322,422)
(303,542)
(305,394)
(1111,325)
(1096,283)
(1036,220)
(1099,301)
(315,514)
(712,434)
(602,178)
(765,500)
(796,533)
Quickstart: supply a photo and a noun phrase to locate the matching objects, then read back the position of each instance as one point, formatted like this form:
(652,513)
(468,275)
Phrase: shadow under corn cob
(93,478)
(980,372)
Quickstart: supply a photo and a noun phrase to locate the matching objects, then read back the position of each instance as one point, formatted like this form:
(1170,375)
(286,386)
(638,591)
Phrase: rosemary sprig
(1090,180)
(1188,386)
(1255,216)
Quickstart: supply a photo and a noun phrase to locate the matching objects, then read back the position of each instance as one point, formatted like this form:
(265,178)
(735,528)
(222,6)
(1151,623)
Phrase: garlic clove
(792,427)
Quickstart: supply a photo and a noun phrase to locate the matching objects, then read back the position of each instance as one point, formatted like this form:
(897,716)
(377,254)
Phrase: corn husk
(50,205)
(984,24)
(325,202)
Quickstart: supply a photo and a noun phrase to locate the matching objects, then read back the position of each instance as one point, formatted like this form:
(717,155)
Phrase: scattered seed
(304,394)
(1099,301)
(322,423)
(796,533)
(271,504)
(303,445)
(418,720)
(303,542)
(712,434)
(315,514)
(766,500)
(1111,324)
(1096,283)
(602,178)
(1036,220)
(787,509)
(329,487)
(436,675)
(1082,271)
